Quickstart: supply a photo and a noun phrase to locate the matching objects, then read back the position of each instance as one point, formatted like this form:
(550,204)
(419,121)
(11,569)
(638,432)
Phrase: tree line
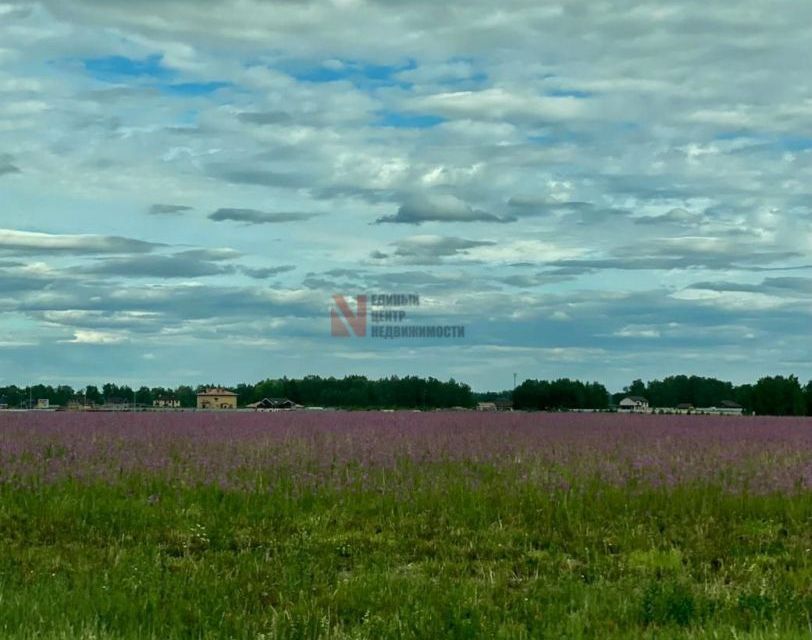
(560,394)
(776,395)
(773,395)
(348,392)
(360,392)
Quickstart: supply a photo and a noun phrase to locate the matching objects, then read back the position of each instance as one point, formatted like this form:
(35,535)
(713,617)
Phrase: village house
(115,404)
(166,403)
(216,398)
(725,408)
(273,404)
(634,404)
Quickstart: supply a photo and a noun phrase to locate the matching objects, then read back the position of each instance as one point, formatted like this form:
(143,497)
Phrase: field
(404,525)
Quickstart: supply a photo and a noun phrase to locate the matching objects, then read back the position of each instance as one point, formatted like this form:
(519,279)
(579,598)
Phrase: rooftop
(216,391)
(635,398)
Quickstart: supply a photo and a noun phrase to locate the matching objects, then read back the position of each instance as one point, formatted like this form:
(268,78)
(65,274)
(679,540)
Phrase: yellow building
(216,398)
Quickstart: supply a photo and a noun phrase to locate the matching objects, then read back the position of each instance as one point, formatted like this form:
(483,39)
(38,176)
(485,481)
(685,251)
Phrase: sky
(604,190)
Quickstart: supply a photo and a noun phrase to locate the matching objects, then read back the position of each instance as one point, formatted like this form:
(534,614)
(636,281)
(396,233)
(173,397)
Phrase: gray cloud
(263,273)
(439,209)
(157,266)
(16,280)
(143,323)
(540,206)
(27,242)
(531,281)
(259,177)
(168,209)
(683,253)
(266,117)
(431,249)
(6,166)
(179,303)
(675,216)
(212,255)
(788,286)
(565,211)
(253,216)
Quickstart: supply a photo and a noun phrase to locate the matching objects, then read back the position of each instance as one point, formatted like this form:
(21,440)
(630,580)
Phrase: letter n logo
(356,321)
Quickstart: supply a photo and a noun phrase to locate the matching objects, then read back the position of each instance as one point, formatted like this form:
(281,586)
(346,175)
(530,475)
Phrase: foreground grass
(449,558)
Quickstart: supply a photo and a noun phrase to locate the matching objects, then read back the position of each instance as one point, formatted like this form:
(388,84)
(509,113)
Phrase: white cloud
(638,332)
(500,104)
(97,337)
(22,108)
(537,251)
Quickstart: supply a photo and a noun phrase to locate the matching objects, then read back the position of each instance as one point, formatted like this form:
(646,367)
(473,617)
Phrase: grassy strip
(446,559)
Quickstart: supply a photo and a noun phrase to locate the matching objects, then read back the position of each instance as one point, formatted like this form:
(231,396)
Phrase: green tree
(560,394)
(92,395)
(779,396)
(187,396)
(808,397)
(144,396)
(636,388)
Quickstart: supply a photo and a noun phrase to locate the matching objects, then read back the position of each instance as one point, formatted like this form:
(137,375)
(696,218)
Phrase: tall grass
(455,557)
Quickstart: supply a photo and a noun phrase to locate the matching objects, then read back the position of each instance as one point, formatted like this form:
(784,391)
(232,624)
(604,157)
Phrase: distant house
(486,406)
(684,407)
(727,408)
(115,404)
(216,398)
(504,404)
(273,404)
(166,403)
(635,404)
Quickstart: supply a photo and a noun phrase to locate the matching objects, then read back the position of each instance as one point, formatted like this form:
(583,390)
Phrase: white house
(725,408)
(166,403)
(636,404)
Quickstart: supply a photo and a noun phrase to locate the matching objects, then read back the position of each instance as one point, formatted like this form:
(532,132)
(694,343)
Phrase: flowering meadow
(404,525)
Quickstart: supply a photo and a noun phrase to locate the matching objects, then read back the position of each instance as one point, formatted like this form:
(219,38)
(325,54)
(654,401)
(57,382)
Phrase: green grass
(446,559)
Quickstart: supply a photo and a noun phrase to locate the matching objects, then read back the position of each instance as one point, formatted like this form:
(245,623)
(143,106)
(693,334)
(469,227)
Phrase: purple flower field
(251,450)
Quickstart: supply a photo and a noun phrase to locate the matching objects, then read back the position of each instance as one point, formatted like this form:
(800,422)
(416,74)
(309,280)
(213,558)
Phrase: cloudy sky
(605,190)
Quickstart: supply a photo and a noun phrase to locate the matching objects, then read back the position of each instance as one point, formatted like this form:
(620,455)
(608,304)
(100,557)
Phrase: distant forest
(776,395)
(348,392)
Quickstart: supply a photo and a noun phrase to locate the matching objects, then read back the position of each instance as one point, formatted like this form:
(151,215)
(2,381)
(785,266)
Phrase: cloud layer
(173,186)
